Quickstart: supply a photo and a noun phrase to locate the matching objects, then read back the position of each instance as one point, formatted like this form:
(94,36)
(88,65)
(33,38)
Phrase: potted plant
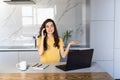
(66,36)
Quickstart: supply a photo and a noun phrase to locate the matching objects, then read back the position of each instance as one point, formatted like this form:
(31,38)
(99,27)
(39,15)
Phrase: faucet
(35,39)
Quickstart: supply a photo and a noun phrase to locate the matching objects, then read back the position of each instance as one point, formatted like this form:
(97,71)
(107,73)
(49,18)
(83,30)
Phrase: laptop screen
(79,58)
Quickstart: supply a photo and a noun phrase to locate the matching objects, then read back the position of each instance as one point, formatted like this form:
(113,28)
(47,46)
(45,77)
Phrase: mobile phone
(44,32)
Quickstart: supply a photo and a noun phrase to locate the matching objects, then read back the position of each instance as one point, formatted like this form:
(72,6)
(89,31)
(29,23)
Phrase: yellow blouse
(52,54)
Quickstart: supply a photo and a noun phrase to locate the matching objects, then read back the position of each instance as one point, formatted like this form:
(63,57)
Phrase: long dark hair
(55,34)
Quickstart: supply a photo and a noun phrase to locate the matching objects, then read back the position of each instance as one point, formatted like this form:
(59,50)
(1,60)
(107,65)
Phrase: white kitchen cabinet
(107,66)
(29,56)
(117,40)
(102,9)
(10,58)
(102,33)
(102,36)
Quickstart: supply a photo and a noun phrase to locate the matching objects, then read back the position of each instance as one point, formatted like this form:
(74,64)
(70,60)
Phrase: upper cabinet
(102,9)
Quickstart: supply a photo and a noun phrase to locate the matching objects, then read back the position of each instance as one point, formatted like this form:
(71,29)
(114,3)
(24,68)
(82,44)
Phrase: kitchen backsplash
(16,30)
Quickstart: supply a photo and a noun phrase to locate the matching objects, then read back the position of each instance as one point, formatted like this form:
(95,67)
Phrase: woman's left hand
(74,42)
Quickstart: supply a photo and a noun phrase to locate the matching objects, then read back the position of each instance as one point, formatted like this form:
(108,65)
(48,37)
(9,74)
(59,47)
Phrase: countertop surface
(17,48)
(8,68)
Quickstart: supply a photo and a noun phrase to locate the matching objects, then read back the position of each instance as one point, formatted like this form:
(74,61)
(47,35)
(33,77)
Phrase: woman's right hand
(43,33)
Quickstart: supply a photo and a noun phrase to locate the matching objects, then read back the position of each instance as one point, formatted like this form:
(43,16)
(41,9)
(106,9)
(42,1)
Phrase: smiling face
(49,28)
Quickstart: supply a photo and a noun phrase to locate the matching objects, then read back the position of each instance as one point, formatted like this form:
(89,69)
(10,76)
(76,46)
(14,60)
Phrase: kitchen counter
(32,48)
(17,48)
(95,72)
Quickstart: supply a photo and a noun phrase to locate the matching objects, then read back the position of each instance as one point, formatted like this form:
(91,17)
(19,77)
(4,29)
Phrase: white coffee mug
(22,65)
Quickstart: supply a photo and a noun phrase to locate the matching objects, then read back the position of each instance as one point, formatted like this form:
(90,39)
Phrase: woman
(50,45)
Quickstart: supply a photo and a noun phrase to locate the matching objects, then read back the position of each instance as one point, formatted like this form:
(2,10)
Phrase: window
(27,15)
(32,15)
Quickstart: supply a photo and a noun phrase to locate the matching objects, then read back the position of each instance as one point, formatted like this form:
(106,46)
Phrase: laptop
(77,59)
